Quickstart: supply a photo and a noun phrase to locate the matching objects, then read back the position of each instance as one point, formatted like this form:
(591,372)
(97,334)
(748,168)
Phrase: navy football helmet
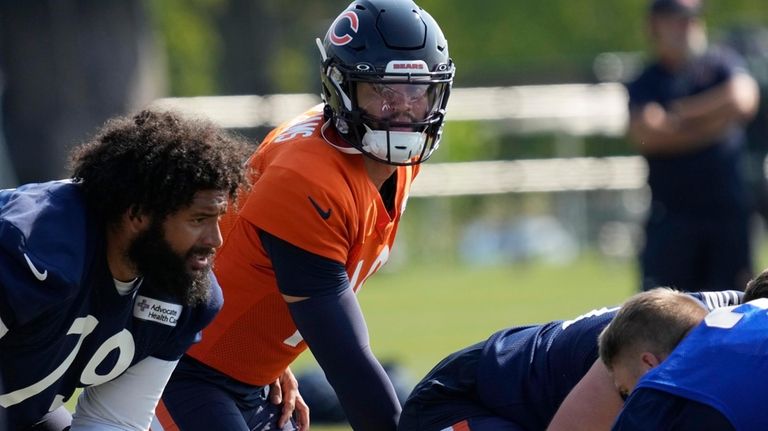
(386,78)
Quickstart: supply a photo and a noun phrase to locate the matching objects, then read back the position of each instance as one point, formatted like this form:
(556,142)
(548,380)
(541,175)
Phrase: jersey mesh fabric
(316,197)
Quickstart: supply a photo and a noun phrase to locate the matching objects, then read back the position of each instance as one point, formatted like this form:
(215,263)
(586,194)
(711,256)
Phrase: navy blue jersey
(64,324)
(525,373)
(733,342)
(519,374)
(707,179)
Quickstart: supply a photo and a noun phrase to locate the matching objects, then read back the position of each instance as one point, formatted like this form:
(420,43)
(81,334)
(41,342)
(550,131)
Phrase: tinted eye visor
(400,102)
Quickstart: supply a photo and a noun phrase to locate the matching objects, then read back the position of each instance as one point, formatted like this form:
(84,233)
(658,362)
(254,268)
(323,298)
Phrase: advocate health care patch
(154,310)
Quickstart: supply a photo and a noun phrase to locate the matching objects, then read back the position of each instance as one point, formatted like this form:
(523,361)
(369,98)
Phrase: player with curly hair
(105,279)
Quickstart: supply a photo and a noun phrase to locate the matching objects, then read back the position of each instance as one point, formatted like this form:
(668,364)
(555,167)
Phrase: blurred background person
(687,115)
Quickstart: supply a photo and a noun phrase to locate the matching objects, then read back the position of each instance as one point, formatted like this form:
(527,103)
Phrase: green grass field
(419,314)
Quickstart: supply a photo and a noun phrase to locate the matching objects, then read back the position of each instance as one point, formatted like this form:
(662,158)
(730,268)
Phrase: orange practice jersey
(316,197)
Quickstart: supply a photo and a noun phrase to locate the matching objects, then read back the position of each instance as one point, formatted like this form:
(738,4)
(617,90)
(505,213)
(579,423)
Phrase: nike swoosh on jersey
(38,275)
(4,329)
(323,213)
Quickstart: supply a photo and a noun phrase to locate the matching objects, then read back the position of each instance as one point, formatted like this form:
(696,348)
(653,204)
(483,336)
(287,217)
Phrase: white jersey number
(726,318)
(592,313)
(82,326)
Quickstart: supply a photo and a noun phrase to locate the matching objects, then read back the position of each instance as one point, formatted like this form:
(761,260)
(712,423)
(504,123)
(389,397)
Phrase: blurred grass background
(420,313)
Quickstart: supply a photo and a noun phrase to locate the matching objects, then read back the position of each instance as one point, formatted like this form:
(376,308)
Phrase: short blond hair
(654,321)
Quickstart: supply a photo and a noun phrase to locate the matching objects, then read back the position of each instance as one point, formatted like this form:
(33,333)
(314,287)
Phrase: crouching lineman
(105,279)
(517,379)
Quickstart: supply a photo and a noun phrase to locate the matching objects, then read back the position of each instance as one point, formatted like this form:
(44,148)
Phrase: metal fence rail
(525,176)
(571,109)
(577,109)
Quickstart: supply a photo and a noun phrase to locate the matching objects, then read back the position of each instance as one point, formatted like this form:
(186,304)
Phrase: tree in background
(67,66)
(260,47)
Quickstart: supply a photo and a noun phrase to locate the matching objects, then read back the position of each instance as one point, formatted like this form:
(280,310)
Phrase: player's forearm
(126,403)
(665,140)
(335,331)
(736,99)
(367,395)
(326,313)
(666,135)
(592,405)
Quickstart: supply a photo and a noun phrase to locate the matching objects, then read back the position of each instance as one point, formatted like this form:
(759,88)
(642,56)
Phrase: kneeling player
(517,378)
(691,370)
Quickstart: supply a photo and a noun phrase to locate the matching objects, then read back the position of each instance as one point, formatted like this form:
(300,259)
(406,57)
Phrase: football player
(518,377)
(105,279)
(329,189)
(688,370)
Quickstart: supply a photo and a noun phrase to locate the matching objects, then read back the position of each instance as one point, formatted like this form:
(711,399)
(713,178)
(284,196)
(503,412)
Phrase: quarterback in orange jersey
(329,188)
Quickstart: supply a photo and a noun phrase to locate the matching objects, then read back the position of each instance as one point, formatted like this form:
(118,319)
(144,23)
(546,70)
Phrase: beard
(156,260)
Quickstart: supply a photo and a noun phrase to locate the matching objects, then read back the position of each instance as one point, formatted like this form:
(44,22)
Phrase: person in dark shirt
(518,378)
(105,279)
(688,111)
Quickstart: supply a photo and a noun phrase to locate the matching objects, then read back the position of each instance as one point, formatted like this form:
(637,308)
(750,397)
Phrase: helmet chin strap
(393,146)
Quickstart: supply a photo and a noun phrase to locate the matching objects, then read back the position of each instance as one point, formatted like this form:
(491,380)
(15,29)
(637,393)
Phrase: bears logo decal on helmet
(344,39)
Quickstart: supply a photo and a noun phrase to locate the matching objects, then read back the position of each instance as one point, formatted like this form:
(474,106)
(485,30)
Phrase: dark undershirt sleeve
(301,273)
(332,324)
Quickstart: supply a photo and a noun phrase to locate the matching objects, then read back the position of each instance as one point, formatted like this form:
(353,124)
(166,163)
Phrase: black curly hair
(155,162)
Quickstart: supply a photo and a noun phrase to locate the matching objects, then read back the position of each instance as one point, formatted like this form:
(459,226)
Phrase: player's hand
(285,390)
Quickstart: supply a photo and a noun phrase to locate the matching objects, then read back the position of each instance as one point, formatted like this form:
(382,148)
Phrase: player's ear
(650,360)
(136,220)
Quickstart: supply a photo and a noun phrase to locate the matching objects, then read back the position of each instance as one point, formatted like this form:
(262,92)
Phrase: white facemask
(403,146)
